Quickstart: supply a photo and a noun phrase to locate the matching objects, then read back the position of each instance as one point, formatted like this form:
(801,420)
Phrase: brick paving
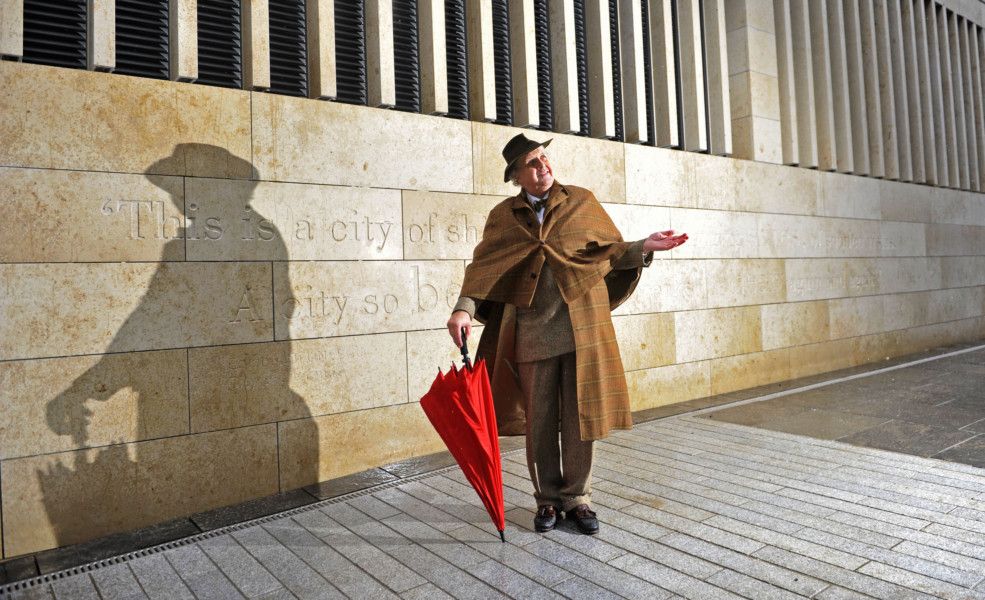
(690,508)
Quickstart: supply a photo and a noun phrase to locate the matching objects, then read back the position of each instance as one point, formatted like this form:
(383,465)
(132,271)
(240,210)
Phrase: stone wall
(211,295)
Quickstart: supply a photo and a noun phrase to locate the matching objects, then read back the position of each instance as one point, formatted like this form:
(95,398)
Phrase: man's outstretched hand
(458,320)
(663,240)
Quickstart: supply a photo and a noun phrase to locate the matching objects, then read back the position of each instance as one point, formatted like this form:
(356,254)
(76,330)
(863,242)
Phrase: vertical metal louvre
(616,66)
(501,56)
(288,48)
(220,47)
(457,59)
(350,51)
(142,38)
(407,73)
(55,33)
(648,74)
(581,61)
(545,91)
(676,24)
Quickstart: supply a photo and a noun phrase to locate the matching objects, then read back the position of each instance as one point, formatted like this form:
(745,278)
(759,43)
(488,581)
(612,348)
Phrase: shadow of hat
(201,160)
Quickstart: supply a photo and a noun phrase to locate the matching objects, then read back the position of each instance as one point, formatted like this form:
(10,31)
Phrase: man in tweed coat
(544,278)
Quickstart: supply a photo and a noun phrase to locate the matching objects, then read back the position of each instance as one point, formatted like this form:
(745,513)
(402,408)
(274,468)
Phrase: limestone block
(878,347)
(62,404)
(863,277)
(907,202)
(753,89)
(773,188)
(847,196)
(941,334)
(715,333)
(638,222)
(443,226)
(903,311)
(902,239)
(671,384)
(297,140)
(715,234)
(795,236)
(645,341)
(658,176)
(757,138)
(822,357)
(70,119)
(744,281)
(12,29)
(352,442)
(852,317)
(598,62)
(957,207)
(749,13)
(322,80)
(669,285)
(795,324)
(249,384)
(598,165)
(324,299)
(818,278)
(704,169)
(955,240)
(256,44)
(65,309)
(117,217)
(756,51)
(908,274)
(746,371)
(631,62)
(428,351)
(523,63)
(246,220)
(955,304)
(962,271)
(128,486)
(183,34)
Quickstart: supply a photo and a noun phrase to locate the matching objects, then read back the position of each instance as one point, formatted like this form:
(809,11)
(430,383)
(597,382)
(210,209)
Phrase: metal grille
(288,48)
(55,33)
(458,71)
(501,56)
(581,59)
(545,90)
(405,56)
(350,51)
(142,38)
(676,24)
(220,55)
(616,68)
(648,74)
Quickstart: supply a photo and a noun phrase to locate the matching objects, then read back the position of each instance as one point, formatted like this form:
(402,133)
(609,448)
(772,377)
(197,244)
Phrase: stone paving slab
(690,508)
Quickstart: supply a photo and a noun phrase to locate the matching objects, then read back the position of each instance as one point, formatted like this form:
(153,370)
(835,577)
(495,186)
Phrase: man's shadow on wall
(108,489)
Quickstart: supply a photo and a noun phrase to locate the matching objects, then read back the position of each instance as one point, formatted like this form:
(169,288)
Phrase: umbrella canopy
(459,405)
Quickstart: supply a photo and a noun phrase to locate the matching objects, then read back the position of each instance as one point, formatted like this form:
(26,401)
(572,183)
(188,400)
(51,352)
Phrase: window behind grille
(288,48)
(544,88)
(55,33)
(458,82)
(616,68)
(142,38)
(350,51)
(581,60)
(406,57)
(220,43)
(501,58)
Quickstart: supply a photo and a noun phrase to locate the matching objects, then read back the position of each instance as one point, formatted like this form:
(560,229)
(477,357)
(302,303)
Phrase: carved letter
(246,303)
(341,305)
(430,289)
(302,231)
(213,228)
(385,231)
(335,236)
(371,301)
(266,227)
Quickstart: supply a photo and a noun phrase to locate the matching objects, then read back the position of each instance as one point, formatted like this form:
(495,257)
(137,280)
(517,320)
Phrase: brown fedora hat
(516,148)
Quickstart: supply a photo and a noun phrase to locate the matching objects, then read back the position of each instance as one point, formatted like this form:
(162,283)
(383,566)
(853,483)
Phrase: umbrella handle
(465,350)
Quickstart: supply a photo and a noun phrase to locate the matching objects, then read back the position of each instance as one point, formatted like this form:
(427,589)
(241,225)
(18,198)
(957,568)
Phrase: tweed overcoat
(580,243)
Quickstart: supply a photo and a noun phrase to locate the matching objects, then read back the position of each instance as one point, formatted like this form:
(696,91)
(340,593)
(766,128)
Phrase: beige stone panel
(770,188)
(783,236)
(744,281)
(64,309)
(876,348)
(752,49)
(256,44)
(903,311)
(906,202)
(851,317)
(977,41)
(183,33)
(934,62)
(669,285)
(954,160)
(717,76)
(957,208)
(958,80)
(795,324)
(129,486)
(703,334)
(910,78)
(847,196)
(671,384)
(941,334)
(664,73)
(822,278)
(564,66)
(962,271)
(757,138)
(749,13)
(904,139)
(692,85)
(955,240)
(637,222)
(245,220)
(659,177)
(322,82)
(598,60)
(380,82)
(902,239)
(645,341)
(753,89)
(803,70)
(887,97)
(119,217)
(870,75)
(785,79)
(824,110)
(250,384)
(482,74)
(434,57)
(523,63)
(864,276)
(955,304)
(101,35)
(62,404)
(857,127)
(970,105)
(12,28)
(822,357)
(724,194)
(71,119)
(632,71)
(908,274)
(598,165)
(928,119)
(837,43)
(352,442)
(324,299)
(340,144)
(715,234)
(749,370)
(443,226)
(428,351)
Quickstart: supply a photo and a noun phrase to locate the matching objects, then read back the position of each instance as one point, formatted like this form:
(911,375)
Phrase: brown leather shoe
(546,518)
(585,519)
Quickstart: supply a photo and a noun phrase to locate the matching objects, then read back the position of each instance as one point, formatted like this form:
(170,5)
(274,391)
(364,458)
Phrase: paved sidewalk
(690,508)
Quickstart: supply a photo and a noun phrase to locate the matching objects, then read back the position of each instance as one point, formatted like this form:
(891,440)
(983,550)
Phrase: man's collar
(555,195)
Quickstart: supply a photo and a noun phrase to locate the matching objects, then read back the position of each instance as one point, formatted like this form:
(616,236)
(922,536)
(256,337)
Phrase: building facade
(232,231)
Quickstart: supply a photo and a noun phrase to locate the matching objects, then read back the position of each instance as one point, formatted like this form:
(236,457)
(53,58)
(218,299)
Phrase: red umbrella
(459,405)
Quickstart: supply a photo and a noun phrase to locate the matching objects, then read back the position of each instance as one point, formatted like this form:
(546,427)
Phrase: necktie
(538,204)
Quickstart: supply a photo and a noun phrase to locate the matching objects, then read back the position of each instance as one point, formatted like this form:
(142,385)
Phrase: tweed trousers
(561,472)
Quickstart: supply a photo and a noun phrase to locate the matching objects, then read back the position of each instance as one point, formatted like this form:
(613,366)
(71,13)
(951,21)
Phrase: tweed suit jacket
(582,245)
